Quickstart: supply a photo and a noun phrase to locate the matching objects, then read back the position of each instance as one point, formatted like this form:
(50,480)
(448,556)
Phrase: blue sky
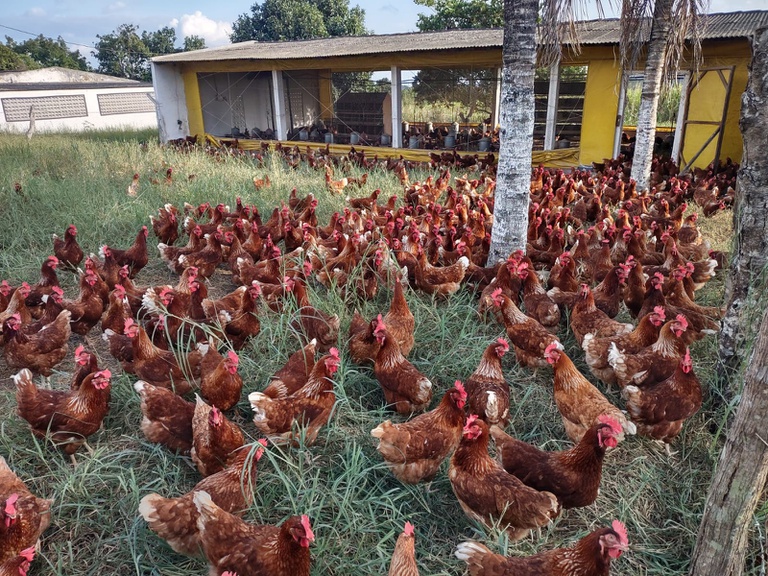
(79,21)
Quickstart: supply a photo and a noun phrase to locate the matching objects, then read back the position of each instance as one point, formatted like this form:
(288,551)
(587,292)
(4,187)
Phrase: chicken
(572,475)
(170,254)
(586,318)
(563,274)
(166,224)
(166,417)
(363,345)
(579,402)
(490,495)
(232,489)
(67,417)
(17,305)
(590,556)
(39,352)
(19,565)
(313,322)
(68,251)
(404,387)
(220,384)
(654,363)
(404,557)
(660,408)
(48,280)
(596,349)
(243,323)
(294,373)
(305,411)
(156,366)
(252,550)
(214,438)
(86,363)
(136,256)
(89,306)
(487,389)
(538,304)
(415,449)
(527,335)
(133,187)
(118,310)
(23,516)
(399,320)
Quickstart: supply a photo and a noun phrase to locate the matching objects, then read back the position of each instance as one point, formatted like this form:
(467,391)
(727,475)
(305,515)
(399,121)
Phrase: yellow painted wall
(194,105)
(601,104)
(326,95)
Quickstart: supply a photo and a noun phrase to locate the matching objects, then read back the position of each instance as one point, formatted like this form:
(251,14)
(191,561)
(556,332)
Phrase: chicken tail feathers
(471,552)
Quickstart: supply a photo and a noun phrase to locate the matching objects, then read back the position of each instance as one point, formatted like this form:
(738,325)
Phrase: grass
(357,507)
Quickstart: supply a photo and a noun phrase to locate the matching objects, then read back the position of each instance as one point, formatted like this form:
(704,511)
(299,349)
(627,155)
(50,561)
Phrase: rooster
(571,475)
(415,449)
(590,556)
(247,549)
(232,489)
(488,494)
(23,516)
(404,557)
(67,417)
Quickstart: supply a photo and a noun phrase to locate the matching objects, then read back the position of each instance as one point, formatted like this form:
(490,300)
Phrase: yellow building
(282,90)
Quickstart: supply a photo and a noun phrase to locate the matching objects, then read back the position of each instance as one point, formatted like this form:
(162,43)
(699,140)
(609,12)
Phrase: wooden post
(554,93)
(326,96)
(278,97)
(496,100)
(397,108)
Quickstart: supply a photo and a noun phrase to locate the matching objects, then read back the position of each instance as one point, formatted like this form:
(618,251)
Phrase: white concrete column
(278,97)
(552,97)
(397,108)
(495,119)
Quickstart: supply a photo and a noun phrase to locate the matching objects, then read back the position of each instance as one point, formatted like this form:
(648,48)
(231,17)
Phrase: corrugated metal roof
(606,31)
(58,75)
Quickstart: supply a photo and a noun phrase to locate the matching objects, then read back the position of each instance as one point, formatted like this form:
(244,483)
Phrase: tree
(10,60)
(742,469)
(123,53)
(45,52)
(672,22)
(461,14)
(161,41)
(276,20)
(513,175)
(193,42)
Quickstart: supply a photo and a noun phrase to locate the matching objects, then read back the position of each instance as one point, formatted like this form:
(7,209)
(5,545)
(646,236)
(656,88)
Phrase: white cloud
(214,32)
(35,12)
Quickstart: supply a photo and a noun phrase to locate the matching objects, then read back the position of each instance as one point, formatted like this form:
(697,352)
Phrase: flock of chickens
(596,245)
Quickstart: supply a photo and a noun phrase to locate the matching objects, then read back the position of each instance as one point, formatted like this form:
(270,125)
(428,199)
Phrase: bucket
(354,138)
(450,141)
(485,144)
(386,139)
(329,138)
(413,142)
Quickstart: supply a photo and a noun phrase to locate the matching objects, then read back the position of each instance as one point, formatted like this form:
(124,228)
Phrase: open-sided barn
(276,89)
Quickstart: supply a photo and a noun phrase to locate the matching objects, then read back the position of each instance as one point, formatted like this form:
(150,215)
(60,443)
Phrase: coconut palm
(673,20)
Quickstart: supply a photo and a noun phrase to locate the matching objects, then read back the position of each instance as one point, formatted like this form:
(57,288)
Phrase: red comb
(611,422)
(233,357)
(307,527)
(682,321)
(460,387)
(621,531)
(408,529)
(470,420)
(334,352)
(502,342)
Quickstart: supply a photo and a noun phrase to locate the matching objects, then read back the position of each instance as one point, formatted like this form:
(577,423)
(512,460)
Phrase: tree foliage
(462,14)
(9,60)
(126,53)
(42,52)
(276,20)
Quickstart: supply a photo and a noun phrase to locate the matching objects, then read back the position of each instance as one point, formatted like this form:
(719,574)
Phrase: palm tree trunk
(742,469)
(649,100)
(513,179)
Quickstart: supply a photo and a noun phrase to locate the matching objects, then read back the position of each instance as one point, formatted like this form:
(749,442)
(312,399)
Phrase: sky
(80,21)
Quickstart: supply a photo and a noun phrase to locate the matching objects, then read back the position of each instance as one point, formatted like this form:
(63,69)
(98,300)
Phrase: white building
(65,99)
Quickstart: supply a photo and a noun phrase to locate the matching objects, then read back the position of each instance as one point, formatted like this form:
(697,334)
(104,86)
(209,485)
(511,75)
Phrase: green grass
(357,507)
